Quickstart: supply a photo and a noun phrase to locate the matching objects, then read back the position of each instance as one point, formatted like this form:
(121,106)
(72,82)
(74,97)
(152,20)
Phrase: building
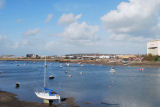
(90,56)
(29,55)
(153,47)
(32,56)
(126,56)
(104,57)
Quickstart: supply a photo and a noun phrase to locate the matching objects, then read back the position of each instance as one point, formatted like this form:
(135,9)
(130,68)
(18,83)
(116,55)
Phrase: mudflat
(9,100)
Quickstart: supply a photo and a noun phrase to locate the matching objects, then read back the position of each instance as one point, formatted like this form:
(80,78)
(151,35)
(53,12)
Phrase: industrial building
(153,47)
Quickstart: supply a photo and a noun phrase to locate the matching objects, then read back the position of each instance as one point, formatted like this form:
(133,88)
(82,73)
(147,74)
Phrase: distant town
(92,56)
(107,58)
(153,55)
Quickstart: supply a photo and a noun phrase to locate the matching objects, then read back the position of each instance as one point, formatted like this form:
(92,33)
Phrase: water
(90,85)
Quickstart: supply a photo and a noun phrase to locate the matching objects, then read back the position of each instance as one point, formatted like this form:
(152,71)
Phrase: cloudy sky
(58,27)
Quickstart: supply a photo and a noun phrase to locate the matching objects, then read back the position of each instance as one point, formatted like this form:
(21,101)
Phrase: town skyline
(60,27)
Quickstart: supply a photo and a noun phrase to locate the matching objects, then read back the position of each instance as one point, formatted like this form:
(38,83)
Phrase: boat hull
(46,96)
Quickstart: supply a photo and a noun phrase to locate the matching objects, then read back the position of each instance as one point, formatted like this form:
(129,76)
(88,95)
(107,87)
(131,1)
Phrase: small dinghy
(81,73)
(112,70)
(82,65)
(67,64)
(51,77)
(17,84)
(70,76)
(60,66)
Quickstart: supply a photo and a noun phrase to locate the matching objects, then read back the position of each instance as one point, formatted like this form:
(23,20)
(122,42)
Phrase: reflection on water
(94,84)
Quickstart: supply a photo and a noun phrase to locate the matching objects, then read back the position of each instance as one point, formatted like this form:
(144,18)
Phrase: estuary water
(90,85)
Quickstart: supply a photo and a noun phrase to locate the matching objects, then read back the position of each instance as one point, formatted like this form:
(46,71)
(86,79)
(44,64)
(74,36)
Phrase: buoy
(60,66)
(68,64)
(81,73)
(141,69)
(70,75)
(17,85)
(82,65)
(66,72)
(51,77)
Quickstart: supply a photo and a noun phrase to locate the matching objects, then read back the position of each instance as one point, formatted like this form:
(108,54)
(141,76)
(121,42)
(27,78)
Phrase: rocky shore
(101,61)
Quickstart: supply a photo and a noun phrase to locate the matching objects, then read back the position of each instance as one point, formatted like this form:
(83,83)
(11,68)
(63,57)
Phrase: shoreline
(96,62)
(134,64)
(8,99)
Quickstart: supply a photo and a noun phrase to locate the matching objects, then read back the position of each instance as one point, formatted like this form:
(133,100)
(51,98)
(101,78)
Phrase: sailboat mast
(45,65)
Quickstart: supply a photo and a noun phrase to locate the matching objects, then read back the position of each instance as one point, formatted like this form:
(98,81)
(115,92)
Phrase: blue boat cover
(51,92)
(47,89)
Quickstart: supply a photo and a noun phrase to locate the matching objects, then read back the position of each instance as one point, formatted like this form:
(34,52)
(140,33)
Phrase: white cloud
(66,19)
(2,3)
(80,32)
(29,45)
(122,37)
(6,44)
(32,31)
(136,18)
(3,37)
(49,18)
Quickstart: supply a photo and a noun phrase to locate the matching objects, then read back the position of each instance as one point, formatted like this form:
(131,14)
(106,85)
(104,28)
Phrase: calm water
(128,87)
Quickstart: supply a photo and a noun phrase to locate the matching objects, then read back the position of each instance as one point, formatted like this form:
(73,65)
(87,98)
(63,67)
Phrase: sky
(59,27)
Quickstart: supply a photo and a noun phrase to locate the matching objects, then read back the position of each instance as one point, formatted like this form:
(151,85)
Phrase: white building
(104,57)
(153,47)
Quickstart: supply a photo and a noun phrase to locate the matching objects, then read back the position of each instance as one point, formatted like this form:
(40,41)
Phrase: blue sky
(58,27)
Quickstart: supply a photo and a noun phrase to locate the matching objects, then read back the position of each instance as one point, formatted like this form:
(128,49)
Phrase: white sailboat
(47,94)
(67,64)
(112,70)
(60,66)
